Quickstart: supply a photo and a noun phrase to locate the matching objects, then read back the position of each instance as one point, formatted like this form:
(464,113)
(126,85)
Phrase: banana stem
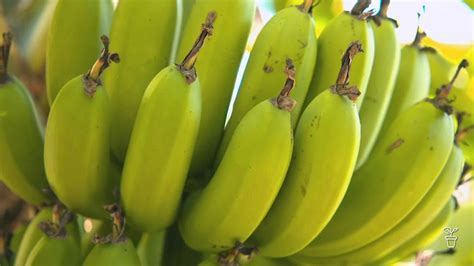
(341,87)
(384,8)
(283,100)
(187,66)
(118,222)
(104,60)
(359,7)
(307,6)
(4,54)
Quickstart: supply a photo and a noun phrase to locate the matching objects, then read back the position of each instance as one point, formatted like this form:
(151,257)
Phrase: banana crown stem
(92,77)
(4,54)
(187,66)
(283,100)
(420,35)
(382,14)
(341,87)
(359,7)
(118,226)
(308,5)
(441,100)
(231,256)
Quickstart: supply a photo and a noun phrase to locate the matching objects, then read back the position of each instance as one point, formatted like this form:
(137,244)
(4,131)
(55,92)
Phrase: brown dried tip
(92,77)
(441,100)
(308,5)
(382,14)
(232,256)
(56,228)
(283,100)
(359,7)
(341,87)
(4,54)
(187,66)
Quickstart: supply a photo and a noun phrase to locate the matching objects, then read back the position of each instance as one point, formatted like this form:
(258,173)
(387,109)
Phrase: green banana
(67,55)
(58,245)
(97,227)
(228,209)
(329,125)
(150,248)
(381,193)
(465,136)
(16,238)
(223,54)
(343,29)
(32,235)
(412,83)
(421,216)
(176,252)
(151,191)
(122,253)
(423,238)
(76,155)
(381,82)
(21,136)
(441,69)
(289,34)
(463,219)
(144,38)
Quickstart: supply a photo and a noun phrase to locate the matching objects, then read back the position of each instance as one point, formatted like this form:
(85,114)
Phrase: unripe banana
(381,82)
(412,83)
(165,131)
(289,34)
(77,142)
(73,40)
(21,137)
(59,244)
(142,33)
(229,208)
(381,193)
(122,253)
(99,227)
(150,248)
(176,251)
(32,235)
(217,68)
(424,238)
(343,29)
(421,216)
(329,125)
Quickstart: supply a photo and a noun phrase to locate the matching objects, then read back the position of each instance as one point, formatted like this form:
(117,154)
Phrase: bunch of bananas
(342,147)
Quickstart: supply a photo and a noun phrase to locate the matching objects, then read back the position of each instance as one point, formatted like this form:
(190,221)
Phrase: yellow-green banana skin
(122,253)
(245,184)
(151,247)
(412,83)
(32,235)
(57,252)
(380,87)
(316,181)
(21,143)
(74,40)
(76,155)
(217,68)
(422,239)
(144,41)
(395,178)
(332,43)
(423,214)
(160,150)
(289,34)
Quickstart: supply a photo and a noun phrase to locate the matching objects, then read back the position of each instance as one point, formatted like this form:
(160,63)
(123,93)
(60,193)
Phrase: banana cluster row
(342,147)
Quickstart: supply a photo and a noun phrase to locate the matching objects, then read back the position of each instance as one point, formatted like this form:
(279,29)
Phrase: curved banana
(441,69)
(421,216)
(423,238)
(316,182)
(381,193)
(32,235)
(77,143)
(247,180)
(142,33)
(121,253)
(342,30)
(21,137)
(150,248)
(412,83)
(217,68)
(73,38)
(381,82)
(289,34)
(59,244)
(165,131)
